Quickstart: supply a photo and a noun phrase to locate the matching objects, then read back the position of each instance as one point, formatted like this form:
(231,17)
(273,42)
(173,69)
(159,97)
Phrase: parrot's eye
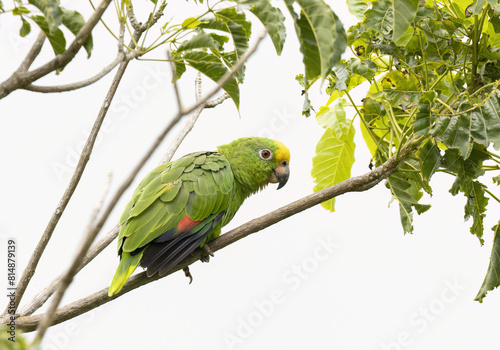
(265,154)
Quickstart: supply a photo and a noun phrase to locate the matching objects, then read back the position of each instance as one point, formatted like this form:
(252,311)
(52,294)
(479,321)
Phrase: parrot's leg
(188,274)
(207,253)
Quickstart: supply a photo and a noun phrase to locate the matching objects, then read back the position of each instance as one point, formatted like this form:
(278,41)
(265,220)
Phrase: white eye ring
(265,154)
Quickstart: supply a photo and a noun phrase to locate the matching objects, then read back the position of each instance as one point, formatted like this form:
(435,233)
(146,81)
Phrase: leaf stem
(423,58)
(491,194)
(362,119)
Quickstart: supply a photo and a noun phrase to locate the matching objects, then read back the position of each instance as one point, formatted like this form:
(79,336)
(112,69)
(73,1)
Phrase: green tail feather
(127,266)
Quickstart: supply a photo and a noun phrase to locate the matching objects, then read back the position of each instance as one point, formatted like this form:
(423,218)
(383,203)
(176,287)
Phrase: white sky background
(373,288)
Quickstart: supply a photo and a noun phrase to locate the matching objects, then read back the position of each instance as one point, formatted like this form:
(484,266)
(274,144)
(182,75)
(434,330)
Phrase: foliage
(433,74)
(12,339)
(211,42)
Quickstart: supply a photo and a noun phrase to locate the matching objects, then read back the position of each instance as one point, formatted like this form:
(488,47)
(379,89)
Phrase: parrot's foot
(188,274)
(207,253)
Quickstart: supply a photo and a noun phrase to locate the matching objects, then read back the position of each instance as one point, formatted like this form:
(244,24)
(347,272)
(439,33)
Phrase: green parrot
(182,204)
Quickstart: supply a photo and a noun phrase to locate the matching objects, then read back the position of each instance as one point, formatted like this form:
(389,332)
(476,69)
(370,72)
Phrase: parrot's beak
(280,174)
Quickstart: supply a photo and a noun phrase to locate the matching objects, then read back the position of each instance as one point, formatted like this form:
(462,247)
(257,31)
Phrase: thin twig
(153,19)
(187,127)
(216,101)
(78,85)
(33,53)
(72,270)
(131,17)
(354,184)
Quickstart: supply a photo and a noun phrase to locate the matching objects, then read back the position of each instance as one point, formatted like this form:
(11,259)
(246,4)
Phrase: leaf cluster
(49,16)
(433,70)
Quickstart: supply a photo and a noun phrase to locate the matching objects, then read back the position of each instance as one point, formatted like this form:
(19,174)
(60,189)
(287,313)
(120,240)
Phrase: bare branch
(354,184)
(47,292)
(68,193)
(73,269)
(121,38)
(154,18)
(131,17)
(188,125)
(33,54)
(216,101)
(20,79)
(225,78)
(84,157)
(78,85)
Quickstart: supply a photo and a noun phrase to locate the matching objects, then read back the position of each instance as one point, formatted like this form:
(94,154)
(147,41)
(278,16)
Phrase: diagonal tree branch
(67,278)
(82,162)
(68,193)
(354,184)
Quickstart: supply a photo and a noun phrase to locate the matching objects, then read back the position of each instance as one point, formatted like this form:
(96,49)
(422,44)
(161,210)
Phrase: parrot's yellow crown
(282,152)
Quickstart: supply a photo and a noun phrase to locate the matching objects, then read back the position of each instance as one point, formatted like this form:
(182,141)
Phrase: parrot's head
(257,161)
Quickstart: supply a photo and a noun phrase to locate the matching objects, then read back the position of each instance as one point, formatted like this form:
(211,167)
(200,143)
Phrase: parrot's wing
(173,211)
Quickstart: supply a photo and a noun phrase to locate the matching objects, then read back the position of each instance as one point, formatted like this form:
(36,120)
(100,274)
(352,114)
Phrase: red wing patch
(186,224)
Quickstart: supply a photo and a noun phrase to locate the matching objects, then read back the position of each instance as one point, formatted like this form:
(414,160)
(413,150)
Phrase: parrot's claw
(207,253)
(188,274)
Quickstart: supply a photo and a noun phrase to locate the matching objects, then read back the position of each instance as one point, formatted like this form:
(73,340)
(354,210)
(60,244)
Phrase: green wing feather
(198,185)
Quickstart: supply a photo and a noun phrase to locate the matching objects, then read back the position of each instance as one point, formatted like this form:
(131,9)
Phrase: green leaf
(201,40)
(481,124)
(380,17)
(321,36)
(190,23)
(357,8)
(56,39)
(475,207)
(366,68)
(430,159)
(51,11)
(422,122)
(404,12)
(20,10)
(272,18)
(212,67)
(25,28)
(236,24)
(334,156)
(467,170)
(74,21)
(180,67)
(496,179)
(332,118)
(492,278)
(407,193)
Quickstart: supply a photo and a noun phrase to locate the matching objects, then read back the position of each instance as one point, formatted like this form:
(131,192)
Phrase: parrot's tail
(127,266)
